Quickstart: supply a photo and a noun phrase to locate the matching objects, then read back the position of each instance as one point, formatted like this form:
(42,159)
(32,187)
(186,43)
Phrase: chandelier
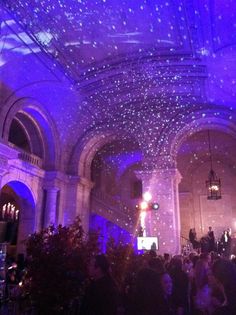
(213,183)
(9,212)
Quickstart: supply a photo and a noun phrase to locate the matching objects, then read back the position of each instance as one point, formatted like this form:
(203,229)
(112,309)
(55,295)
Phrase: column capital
(156,174)
(55,176)
(86,182)
(54,180)
(79,180)
(73,179)
(158,162)
(51,189)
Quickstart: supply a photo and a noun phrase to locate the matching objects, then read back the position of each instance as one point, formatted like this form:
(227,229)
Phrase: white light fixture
(147,196)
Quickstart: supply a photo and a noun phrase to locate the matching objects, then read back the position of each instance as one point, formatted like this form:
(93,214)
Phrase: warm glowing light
(147,196)
(143,205)
(142,217)
(214,187)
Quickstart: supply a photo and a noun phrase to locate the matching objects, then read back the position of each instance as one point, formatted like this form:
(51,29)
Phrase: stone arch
(39,127)
(33,134)
(210,123)
(19,136)
(85,150)
(27,215)
(195,209)
(80,168)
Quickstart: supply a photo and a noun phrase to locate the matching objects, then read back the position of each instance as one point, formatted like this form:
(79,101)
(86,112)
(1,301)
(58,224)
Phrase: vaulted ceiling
(82,35)
(128,55)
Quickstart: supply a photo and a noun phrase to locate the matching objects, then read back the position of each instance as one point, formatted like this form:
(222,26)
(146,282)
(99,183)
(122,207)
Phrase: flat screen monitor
(147,243)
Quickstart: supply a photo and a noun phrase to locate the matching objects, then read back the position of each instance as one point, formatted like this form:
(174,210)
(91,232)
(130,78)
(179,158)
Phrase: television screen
(147,243)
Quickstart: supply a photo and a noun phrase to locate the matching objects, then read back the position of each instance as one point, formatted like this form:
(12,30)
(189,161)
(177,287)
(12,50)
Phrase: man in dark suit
(193,238)
(211,240)
(101,296)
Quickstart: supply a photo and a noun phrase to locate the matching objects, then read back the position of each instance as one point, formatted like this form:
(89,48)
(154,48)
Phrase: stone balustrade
(30,158)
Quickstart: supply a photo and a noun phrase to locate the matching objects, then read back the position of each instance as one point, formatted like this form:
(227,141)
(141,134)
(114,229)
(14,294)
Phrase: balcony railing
(30,158)
(26,156)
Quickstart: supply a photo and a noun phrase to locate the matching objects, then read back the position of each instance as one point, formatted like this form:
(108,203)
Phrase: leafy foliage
(57,260)
(57,266)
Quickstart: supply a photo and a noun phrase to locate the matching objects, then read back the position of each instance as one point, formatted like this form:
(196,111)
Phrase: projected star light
(97,30)
(138,69)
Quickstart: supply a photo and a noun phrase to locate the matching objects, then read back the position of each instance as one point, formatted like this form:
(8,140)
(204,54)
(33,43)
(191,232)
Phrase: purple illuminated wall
(132,80)
(108,230)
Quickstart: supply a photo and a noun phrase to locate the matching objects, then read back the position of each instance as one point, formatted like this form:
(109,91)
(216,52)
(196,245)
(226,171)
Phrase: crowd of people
(209,244)
(200,284)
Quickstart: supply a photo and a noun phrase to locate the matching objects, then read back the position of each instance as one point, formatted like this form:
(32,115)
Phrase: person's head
(98,266)
(152,253)
(176,263)
(210,228)
(166,256)
(156,264)
(194,258)
(187,265)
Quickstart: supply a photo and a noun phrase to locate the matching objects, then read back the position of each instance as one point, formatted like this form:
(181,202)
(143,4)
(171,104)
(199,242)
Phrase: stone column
(83,207)
(78,201)
(4,168)
(51,206)
(71,200)
(164,223)
(3,225)
(0,181)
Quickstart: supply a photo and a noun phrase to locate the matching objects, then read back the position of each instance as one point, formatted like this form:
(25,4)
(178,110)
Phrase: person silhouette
(154,246)
(211,240)
(193,238)
(101,296)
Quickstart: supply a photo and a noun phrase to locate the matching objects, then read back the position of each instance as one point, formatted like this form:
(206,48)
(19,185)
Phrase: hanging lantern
(213,183)
(213,186)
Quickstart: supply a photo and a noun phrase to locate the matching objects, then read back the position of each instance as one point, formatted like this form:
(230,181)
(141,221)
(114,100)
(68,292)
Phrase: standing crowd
(208,242)
(202,284)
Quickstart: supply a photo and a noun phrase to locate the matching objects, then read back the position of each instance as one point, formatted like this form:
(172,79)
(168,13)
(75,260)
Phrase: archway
(96,150)
(27,117)
(17,215)
(115,193)
(193,162)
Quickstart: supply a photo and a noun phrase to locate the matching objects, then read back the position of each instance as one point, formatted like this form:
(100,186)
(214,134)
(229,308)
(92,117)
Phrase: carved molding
(4,167)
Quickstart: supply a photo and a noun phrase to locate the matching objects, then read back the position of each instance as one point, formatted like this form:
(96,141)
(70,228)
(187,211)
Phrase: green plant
(57,260)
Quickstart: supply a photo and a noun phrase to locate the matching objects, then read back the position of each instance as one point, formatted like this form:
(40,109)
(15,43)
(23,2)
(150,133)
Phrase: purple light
(107,230)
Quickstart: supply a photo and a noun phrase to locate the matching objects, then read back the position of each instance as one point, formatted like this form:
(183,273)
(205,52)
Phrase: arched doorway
(17,215)
(193,162)
(115,193)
